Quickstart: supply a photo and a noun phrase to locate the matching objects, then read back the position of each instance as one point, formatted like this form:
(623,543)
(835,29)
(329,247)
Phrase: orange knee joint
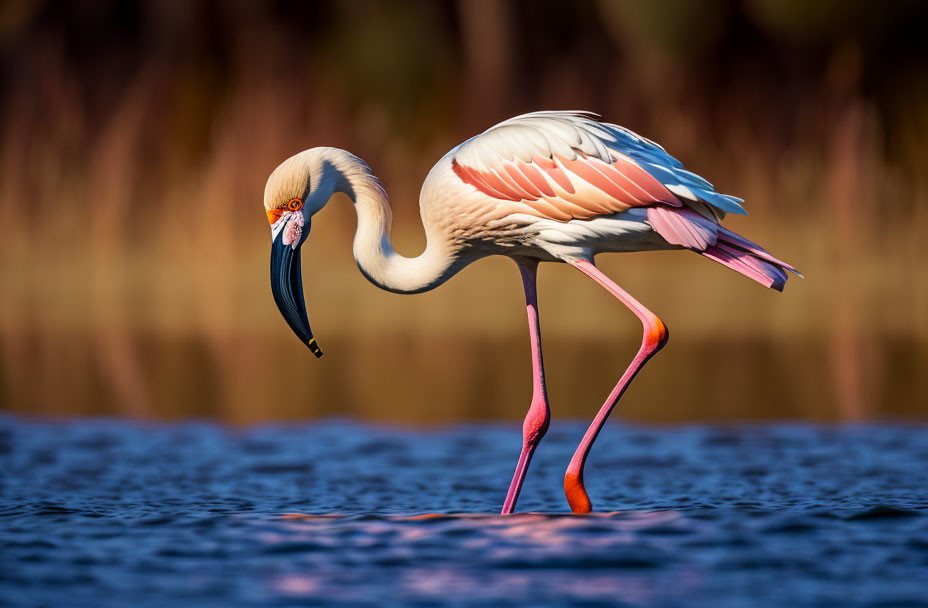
(656,334)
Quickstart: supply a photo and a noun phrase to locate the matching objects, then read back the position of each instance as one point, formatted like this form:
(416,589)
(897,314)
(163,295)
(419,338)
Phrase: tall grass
(133,246)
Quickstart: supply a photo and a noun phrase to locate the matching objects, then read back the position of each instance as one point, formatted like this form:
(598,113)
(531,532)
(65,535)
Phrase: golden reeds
(133,246)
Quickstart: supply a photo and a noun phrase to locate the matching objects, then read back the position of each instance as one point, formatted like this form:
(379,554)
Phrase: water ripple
(108,513)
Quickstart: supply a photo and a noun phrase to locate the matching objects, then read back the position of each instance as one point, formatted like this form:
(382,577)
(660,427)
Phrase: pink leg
(539,415)
(655,336)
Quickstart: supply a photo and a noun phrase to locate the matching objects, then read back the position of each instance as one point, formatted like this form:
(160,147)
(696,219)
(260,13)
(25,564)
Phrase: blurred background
(136,138)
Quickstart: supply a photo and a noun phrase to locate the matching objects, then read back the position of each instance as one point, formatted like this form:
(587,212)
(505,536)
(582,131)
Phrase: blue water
(108,513)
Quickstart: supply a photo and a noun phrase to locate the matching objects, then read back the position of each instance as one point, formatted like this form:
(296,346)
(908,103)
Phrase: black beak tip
(314,348)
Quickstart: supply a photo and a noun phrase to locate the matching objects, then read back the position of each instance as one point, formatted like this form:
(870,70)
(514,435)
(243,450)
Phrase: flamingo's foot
(577,497)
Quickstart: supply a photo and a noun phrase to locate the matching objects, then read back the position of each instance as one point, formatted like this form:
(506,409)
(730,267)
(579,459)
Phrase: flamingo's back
(579,186)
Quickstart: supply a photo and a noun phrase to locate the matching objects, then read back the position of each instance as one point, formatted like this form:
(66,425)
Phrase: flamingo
(555,186)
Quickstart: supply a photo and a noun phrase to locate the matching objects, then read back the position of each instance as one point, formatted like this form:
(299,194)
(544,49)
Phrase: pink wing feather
(684,227)
(557,166)
(566,189)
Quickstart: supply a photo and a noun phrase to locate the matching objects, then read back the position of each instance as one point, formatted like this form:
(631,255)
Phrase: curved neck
(384,267)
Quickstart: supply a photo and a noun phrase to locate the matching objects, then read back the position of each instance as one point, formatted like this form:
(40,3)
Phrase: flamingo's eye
(295,204)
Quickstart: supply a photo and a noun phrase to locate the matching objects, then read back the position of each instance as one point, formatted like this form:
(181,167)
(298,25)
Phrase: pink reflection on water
(601,557)
(298,585)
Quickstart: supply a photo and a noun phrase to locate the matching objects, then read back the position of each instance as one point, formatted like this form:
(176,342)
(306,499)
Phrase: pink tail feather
(747,264)
(739,241)
(689,229)
(749,259)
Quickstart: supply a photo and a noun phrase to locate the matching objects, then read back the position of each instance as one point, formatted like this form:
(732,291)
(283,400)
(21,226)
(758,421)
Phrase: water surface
(108,513)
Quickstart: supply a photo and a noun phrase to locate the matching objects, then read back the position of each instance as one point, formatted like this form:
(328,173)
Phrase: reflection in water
(446,378)
(107,514)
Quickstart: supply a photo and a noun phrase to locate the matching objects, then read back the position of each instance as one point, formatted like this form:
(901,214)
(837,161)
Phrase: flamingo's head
(290,200)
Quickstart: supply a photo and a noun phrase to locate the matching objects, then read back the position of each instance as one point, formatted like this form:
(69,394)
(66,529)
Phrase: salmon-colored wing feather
(524,181)
(567,165)
(563,189)
(533,173)
(551,169)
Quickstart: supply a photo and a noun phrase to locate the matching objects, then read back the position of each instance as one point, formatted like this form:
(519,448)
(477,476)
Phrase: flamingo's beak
(287,286)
